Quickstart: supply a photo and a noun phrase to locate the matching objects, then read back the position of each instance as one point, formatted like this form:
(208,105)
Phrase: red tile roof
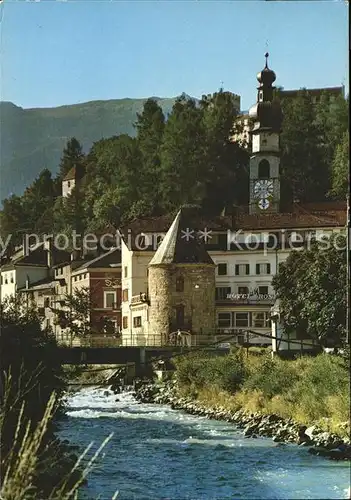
(318,215)
(71,174)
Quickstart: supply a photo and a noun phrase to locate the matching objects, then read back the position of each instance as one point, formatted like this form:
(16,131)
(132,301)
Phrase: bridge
(109,350)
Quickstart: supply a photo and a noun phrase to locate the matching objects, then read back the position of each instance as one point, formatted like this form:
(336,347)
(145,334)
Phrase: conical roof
(183,243)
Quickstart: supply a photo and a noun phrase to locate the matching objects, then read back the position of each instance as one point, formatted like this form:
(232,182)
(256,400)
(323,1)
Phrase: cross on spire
(266,56)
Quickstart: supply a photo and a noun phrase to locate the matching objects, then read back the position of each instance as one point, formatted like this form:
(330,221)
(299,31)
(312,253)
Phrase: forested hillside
(188,158)
(33,139)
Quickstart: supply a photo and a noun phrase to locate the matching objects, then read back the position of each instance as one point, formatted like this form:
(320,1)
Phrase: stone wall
(197,297)
(159,281)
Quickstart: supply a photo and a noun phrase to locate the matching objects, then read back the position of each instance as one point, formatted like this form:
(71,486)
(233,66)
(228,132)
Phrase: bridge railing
(227,336)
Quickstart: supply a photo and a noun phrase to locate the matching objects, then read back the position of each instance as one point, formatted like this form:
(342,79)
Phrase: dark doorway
(179,313)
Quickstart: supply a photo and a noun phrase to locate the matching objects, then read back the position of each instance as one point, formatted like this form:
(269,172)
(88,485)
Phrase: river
(157,453)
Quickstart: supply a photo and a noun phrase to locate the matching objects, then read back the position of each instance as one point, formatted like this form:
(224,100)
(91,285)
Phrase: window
(241,319)
(263,290)
(263,269)
(159,239)
(224,320)
(242,269)
(6,281)
(2,280)
(179,284)
(125,322)
(222,241)
(125,295)
(222,269)
(263,169)
(261,319)
(109,300)
(137,321)
(11,278)
(267,320)
(85,276)
(243,290)
(69,184)
(125,271)
(222,292)
(258,319)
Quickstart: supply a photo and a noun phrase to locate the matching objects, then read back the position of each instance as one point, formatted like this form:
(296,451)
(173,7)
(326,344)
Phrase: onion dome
(267,115)
(266,112)
(266,77)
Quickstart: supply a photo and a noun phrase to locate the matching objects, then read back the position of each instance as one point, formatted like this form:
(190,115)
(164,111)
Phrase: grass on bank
(310,390)
(21,467)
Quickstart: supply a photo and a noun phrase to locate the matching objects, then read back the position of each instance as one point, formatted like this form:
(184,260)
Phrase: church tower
(265,158)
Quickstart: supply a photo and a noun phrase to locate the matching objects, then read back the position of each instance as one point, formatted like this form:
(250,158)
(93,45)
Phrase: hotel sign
(252,294)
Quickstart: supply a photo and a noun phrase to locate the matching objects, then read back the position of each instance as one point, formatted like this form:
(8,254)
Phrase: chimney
(25,246)
(48,247)
(75,255)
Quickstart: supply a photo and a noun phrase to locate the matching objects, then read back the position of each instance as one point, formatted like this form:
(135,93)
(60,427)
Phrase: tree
(106,211)
(37,199)
(340,170)
(225,162)
(304,166)
(150,126)
(113,166)
(69,213)
(182,178)
(311,286)
(12,218)
(72,157)
(74,313)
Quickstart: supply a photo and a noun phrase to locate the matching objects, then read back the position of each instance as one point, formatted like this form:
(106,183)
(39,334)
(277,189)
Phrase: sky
(65,52)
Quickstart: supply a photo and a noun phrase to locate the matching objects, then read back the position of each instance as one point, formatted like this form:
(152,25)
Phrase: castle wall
(197,298)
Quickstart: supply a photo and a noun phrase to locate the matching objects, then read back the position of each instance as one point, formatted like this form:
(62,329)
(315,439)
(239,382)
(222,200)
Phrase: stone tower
(182,281)
(265,158)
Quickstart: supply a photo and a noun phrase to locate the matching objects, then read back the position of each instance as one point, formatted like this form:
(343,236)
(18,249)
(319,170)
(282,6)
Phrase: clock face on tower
(263,204)
(263,188)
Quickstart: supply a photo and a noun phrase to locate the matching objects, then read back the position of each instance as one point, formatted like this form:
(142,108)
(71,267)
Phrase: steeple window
(264,169)
(180,284)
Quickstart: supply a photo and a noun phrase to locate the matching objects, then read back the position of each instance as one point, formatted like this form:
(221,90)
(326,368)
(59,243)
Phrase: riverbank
(157,452)
(256,424)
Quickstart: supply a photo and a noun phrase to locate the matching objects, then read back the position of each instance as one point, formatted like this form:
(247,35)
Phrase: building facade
(245,248)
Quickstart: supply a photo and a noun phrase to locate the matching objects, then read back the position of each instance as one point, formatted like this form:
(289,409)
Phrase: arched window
(263,169)
(179,284)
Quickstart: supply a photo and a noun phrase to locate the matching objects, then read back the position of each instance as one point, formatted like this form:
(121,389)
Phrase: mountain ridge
(32,139)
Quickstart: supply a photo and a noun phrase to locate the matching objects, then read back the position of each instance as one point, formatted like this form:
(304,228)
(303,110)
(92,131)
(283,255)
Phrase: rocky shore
(252,424)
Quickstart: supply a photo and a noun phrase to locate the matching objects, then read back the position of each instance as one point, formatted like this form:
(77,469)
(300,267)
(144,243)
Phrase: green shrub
(309,389)
(200,370)
(271,377)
